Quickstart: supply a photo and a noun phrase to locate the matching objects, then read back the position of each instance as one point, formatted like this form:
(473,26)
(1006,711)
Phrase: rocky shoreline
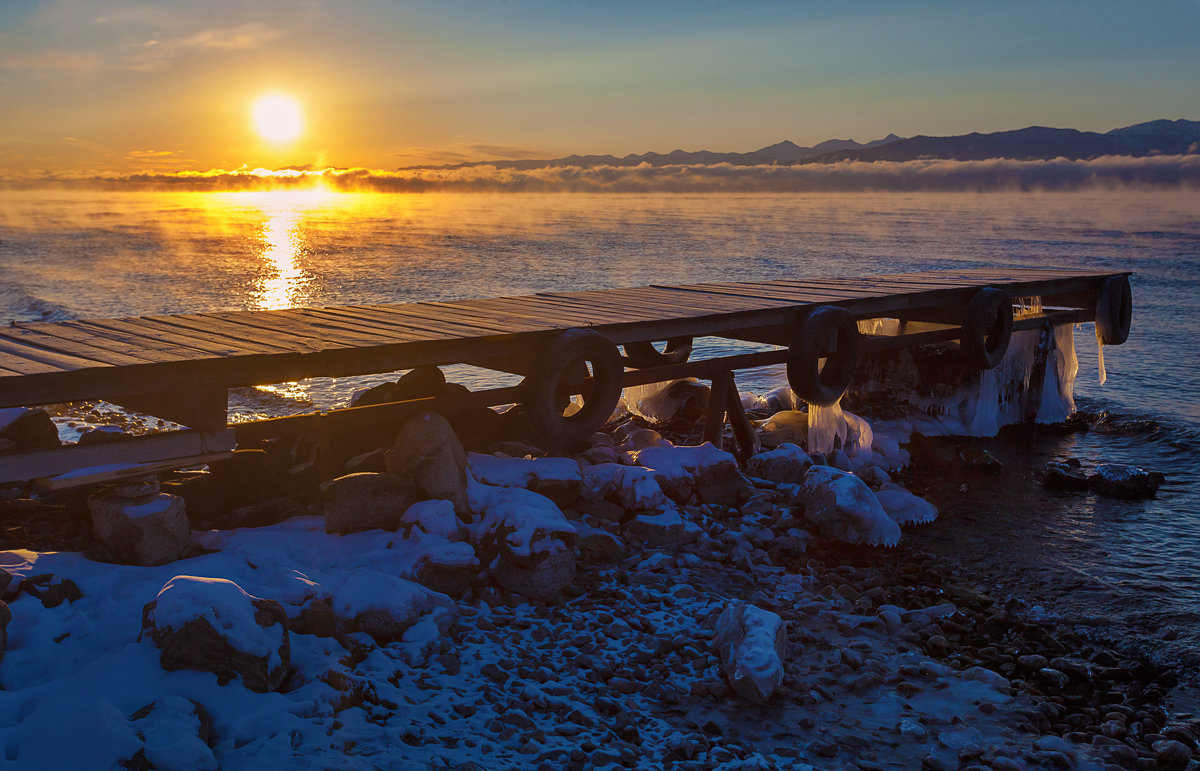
(626,654)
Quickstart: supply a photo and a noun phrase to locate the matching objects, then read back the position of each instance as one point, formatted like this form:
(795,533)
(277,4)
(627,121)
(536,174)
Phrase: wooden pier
(179,367)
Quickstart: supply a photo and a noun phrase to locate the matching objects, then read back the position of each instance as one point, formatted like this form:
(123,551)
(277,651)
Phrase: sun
(277,118)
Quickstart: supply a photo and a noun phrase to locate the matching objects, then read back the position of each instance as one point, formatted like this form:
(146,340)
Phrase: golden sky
(109,86)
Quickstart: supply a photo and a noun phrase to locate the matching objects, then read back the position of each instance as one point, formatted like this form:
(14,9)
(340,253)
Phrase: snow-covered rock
(213,625)
(711,474)
(656,530)
(597,544)
(151,530)
(679,400)
(5,618)
(841,506)
(433,517)
(633,488)
(559,479)
(784,427)
(366,501)
(524,540)
(174,733)
(445,566)
(786,463)
(904,507)
(1118,480)
(428,452)
(751,643)
(384,606)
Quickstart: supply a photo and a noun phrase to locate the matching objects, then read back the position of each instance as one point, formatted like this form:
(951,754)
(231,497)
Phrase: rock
(366,501)
(1064,477)
(679,402)
(152,530)
(786,463)
(751,643)
(988,677)
(980,460)
(414,384)
(632,437)
(1052,743)
(445,567)
(5,579)
(711,474)
(369,461)
(904,507)
(841,506)
(212,625)
(599,545)
(1172,755)
(51,593)
(29,430)
(428,452)
(137,487)
(175,732)
(1032,662)
(433,517)
(784,427)
(656,530)
(386,607)
(1127,482)
(524,541)
(103,435)
(5,618)
(559,479)
(633,488)
(782,399)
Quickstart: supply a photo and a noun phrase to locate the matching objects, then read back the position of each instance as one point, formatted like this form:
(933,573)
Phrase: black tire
(987,328)
(811,339)
(643,353)
(1114,311)
(560,370)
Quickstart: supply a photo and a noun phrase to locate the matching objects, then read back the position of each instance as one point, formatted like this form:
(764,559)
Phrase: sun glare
(277,118)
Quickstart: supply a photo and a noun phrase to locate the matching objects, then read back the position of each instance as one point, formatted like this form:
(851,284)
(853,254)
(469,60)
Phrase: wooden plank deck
(50,362)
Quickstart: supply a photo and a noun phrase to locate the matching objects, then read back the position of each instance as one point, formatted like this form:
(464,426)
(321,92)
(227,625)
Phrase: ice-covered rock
(783,399)
(559,479)
(988,677)
(384,606)
(633,488)
(711,474)
(681,400)
(786,463)
(175,733)
(1118,480)
(841,506)
(751,643)
(366,501)
(213,625)
(1065,476)
(433,517)
(524,540)
(5,618)
(904,507)
(151,530)
(428,452)
(784,427)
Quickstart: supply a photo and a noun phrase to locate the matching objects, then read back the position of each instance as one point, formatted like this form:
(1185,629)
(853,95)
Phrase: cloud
(465,153)
(57,61)
(922,175)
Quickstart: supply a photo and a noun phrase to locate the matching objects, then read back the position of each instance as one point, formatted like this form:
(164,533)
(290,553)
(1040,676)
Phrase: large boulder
(366,501)
(384,606)
(787,463)
(29,430)
(433,517)
(524,541)
(428,452)
(632,488)
(147,530)
(841,506)
(559,479)
(784,427)
(679,402)
(751,643)
(445,566)
(213,625)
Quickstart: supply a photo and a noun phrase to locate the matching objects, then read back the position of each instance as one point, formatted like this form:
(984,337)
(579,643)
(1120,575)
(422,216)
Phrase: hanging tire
(643,353)
(828,333)
(560,370)
(1114,311)
(987,328)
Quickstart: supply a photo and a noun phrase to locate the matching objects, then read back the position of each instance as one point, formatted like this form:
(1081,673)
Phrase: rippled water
(1134,565)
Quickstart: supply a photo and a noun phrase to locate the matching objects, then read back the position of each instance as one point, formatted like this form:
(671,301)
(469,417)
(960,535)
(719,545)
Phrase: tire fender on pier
(987,328)
(828,333)
(1114,311)
(643,354)
(577,361)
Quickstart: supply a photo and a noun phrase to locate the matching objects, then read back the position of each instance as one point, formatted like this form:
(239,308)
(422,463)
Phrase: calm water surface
(1132,566)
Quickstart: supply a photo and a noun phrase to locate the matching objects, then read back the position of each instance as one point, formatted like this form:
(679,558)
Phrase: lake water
(1132,566)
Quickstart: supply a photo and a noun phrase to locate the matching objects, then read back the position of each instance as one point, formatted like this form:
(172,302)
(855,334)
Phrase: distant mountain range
(1156,137)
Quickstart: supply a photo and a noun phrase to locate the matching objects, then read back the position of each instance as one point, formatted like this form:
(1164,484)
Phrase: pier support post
(725,401)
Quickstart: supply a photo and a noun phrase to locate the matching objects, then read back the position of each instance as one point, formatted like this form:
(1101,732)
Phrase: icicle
(1100,357)
(985,420)
(1068,366)
(825,424)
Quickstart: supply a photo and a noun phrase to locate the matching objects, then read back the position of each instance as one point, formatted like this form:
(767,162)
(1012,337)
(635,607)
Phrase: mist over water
(1131,565)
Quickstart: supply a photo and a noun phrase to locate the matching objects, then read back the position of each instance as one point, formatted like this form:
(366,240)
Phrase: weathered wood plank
(134,329)
(38,358)
(143,449)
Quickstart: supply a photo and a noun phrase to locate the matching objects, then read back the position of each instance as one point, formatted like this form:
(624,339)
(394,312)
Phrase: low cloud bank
(920,175)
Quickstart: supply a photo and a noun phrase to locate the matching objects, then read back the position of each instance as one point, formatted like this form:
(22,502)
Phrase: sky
(107,86)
